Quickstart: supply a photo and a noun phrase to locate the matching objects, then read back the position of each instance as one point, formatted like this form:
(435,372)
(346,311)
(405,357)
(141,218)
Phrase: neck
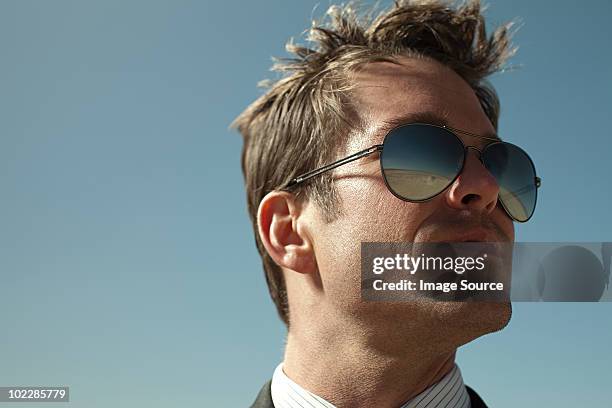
(352,370)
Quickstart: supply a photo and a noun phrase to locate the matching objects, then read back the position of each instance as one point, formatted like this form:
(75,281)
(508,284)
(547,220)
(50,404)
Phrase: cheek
(504,222)
(370,214)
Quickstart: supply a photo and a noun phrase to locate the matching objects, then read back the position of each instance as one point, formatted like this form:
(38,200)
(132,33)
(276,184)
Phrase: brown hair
(300,122)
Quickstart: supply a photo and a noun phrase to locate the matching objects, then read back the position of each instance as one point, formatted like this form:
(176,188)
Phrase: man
(418,62)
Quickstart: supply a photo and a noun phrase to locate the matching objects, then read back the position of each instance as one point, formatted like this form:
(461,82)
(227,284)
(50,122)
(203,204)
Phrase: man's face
(384,93)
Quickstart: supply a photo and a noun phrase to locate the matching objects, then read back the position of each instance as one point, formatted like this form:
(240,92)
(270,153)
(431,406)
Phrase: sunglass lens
(419,161)
(515,175)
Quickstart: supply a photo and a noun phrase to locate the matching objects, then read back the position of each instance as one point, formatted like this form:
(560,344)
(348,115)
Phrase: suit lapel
(475,399)
(264,398)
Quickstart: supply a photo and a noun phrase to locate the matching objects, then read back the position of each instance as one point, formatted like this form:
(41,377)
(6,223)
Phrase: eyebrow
(430,118)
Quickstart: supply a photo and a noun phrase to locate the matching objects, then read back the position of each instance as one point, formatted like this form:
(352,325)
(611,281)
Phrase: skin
(363,354)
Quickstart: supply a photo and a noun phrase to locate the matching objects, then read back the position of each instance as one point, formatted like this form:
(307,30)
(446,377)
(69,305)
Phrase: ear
(283,232)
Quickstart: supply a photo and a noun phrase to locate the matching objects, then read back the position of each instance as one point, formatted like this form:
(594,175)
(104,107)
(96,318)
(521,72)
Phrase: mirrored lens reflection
(515,175)
(420,161)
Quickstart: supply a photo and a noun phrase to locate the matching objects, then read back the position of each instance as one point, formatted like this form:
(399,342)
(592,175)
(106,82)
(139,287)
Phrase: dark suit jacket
(264,399)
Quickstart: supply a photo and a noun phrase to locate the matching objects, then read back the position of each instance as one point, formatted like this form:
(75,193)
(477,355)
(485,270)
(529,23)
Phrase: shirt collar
(449,392)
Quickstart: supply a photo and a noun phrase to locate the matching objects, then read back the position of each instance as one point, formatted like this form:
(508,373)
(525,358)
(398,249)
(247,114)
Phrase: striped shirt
(449,392)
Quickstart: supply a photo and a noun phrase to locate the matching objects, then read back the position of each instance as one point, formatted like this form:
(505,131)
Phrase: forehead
(414,90)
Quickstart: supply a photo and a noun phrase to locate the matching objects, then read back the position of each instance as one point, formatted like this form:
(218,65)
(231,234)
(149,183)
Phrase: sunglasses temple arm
(333,165)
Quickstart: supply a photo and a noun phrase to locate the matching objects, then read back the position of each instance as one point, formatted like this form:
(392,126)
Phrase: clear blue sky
(127,262)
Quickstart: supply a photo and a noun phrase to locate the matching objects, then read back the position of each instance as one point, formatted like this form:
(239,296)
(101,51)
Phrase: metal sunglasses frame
(379,148)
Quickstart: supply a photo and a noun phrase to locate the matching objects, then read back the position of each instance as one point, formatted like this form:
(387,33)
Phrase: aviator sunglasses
(418,161)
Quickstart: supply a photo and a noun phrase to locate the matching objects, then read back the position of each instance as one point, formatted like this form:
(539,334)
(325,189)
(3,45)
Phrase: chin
(467,321)
(439,327)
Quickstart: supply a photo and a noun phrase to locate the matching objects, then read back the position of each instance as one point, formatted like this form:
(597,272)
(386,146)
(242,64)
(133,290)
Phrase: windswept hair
(301,121)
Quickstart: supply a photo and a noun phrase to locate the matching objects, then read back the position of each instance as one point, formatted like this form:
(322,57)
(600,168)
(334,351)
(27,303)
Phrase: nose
(475,188)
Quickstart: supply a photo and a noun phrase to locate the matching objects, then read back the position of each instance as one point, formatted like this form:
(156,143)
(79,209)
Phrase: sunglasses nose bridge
(477,150)
(479,153)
